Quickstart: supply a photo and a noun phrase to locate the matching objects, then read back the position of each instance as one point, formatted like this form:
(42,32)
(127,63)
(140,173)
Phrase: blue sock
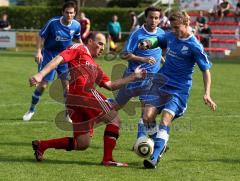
(160,141)
(35,99)
(141,129)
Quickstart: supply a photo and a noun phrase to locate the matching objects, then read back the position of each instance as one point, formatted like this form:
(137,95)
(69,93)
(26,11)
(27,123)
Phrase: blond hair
(181,17)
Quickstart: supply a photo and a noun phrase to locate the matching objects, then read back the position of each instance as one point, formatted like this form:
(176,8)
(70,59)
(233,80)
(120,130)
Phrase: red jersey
(84,23)
(84,71)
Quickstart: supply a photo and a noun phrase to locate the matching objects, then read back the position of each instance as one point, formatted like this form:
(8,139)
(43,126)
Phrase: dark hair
(70,4)
(151,8)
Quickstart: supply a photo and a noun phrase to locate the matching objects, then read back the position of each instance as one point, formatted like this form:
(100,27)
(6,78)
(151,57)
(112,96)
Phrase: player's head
(180,21)
(69,11)
(96,42)
(82,15)
(152,18)
(132,13)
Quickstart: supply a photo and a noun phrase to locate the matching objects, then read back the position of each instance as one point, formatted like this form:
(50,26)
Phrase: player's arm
(138,73)
(37,78)
(132,57)
(207,89)
(87,30)
(39,45)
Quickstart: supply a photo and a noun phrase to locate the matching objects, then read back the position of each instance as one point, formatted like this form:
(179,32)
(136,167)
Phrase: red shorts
(86,111)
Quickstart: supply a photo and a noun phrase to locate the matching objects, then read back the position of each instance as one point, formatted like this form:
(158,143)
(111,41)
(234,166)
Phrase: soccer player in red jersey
(87,107)
(85,26)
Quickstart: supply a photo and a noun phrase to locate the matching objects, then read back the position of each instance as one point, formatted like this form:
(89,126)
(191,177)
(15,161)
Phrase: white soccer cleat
(28,115)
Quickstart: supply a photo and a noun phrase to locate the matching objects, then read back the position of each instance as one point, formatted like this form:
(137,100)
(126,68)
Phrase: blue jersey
(181,57)
(132,47)
(58,36)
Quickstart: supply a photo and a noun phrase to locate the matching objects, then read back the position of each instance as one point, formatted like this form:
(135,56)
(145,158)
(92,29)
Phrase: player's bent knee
(83,142)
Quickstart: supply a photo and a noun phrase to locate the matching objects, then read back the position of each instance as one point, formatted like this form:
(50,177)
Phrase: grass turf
(203,145)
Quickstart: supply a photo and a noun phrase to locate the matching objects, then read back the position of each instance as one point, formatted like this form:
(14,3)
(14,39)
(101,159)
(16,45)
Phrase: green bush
(35,17)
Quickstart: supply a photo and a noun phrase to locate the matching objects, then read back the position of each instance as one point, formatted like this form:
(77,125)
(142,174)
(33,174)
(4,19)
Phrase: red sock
(59,143)
(110,138)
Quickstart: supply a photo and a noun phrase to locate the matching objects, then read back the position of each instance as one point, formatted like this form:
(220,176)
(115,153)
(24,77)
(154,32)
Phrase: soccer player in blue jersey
(55,36)
(149,59)
(183,52)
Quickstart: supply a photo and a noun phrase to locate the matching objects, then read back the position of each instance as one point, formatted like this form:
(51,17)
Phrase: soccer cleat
(37,152)
(28,115)
(150,164)
(114,164)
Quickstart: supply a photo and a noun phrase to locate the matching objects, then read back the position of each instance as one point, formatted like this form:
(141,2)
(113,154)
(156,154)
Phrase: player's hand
(150,60)
(35,80)
(140,73)
(38,57)
(208,101)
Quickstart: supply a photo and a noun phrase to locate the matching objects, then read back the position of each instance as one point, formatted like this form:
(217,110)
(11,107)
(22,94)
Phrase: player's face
(152,20)
(98,45)
(69,14)
(180,30)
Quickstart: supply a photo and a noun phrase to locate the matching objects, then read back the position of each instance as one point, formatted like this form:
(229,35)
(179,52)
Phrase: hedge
(35,17)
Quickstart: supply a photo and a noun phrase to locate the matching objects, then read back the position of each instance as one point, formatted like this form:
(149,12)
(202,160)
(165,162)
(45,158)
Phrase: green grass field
(203,145)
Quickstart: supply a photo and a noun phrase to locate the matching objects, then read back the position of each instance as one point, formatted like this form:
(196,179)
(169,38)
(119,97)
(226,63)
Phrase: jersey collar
(87,50)
(143,27)
(64,24)
(184,39)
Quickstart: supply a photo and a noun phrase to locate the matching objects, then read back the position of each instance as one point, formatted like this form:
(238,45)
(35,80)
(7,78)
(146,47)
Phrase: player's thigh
(62,71)
(50,76)
(47,57)
(81,120)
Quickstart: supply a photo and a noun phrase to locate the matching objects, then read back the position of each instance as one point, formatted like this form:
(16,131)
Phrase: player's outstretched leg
(110,138)
(160,143)
(40,146)
(35,99)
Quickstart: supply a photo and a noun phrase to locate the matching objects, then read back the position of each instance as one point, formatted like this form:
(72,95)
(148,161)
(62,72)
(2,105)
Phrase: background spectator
(224,9)
(237,11)
(4,23)
(205,35)
(200,21)
(114,30)
(164,22)
(85,26)
(213,12)
(134,21)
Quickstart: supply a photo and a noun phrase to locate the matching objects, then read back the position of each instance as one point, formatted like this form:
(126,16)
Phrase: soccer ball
(144,147)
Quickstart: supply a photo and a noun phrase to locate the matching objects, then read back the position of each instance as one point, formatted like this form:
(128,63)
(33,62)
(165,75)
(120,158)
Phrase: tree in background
(124,3)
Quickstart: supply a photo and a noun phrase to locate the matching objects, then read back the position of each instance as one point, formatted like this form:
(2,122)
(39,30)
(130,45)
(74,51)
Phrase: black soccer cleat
(150,164)
(37,151)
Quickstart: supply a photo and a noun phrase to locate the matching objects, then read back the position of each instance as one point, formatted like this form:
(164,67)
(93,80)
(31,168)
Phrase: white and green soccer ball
(144,147)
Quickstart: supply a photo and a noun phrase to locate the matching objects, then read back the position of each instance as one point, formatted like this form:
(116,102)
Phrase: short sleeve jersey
(84,71)
(132,47)
(181,57)
(59,36)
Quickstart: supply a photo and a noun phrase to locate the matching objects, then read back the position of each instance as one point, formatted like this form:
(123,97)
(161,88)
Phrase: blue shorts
(169,99)
(61,70)
(143,88)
